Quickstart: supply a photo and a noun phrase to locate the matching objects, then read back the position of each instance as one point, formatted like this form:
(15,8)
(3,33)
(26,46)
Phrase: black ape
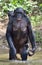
(18,31)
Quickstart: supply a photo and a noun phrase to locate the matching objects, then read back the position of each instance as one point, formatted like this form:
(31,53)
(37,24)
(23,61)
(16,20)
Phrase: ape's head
(19,13)
(20,10)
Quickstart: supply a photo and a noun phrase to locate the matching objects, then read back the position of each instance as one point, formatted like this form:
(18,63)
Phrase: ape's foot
(24,57)
(12,58)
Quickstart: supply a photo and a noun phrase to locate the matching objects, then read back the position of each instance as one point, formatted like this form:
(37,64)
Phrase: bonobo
(18,32)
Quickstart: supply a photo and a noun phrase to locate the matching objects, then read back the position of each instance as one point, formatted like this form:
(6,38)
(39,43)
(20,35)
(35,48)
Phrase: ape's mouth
(19,19)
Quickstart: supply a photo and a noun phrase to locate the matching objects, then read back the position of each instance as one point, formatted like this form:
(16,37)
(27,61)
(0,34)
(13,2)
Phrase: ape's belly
(20,39)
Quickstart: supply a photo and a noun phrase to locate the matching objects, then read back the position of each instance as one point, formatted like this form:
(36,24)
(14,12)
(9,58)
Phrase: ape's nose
(19,17)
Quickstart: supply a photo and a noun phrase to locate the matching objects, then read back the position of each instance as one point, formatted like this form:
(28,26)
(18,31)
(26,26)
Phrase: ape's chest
(20,26)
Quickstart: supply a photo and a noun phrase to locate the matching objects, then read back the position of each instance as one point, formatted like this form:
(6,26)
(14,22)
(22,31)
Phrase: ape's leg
(12,55)
(24,53)
(24,56)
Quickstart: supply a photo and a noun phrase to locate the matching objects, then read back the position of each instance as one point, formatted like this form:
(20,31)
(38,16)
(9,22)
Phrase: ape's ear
(25,12)
(14,11)
(10,13)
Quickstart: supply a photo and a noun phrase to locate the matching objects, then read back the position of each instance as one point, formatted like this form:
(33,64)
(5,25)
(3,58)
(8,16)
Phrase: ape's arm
(31,36)
(9,35)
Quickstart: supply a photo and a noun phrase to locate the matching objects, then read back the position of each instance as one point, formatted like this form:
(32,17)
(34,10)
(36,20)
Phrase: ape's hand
(31,52)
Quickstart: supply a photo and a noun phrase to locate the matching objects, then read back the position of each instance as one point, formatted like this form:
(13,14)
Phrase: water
(36,59)
(20,63)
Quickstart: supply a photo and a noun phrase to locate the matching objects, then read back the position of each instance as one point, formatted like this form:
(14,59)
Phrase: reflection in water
(37,62)
(3,62)
(18,63)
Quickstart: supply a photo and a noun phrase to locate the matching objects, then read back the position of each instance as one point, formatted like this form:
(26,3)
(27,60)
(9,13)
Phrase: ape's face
(19,16)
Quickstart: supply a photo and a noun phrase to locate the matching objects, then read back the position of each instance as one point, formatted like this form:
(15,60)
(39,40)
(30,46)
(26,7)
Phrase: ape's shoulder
(27,19)
(10,13)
